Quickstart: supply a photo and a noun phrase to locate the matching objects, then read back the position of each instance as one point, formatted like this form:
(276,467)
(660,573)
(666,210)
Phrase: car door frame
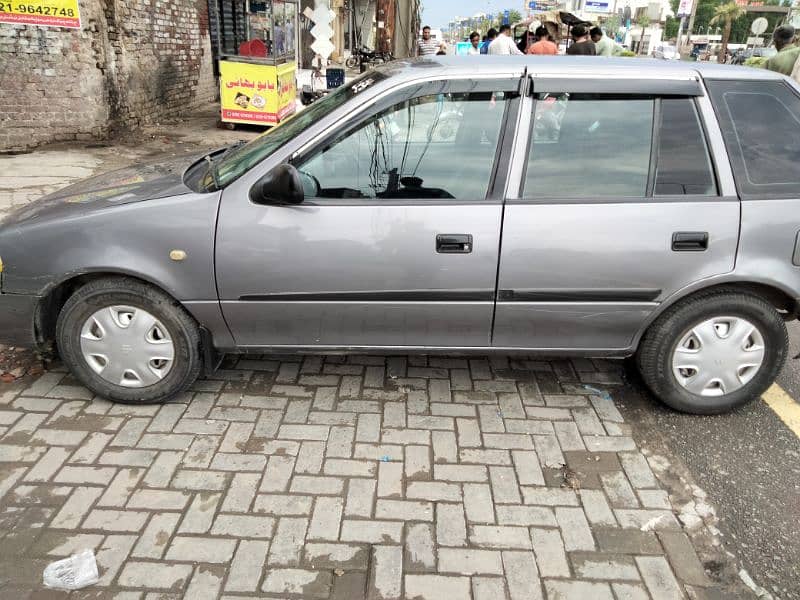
(624,84)
(355,112)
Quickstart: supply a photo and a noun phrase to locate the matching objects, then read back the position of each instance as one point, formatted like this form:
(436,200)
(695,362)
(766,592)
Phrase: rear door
(618,207)
(397,242)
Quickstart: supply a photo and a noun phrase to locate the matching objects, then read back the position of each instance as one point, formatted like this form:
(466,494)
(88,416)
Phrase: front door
(397,241)
(618,209)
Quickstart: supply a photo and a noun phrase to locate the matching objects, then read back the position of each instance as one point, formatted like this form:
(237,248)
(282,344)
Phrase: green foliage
(754,61)
(643,21)
(514,16)
(627,53)
(671,28)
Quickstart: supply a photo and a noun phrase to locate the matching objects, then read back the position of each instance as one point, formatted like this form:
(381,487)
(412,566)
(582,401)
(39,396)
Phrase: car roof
(565,66)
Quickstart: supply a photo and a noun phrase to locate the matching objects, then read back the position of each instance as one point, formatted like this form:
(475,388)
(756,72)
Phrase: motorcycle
(364,56)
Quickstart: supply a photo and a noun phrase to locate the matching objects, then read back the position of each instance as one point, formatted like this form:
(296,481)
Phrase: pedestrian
(544,45)
(491,36)
(604,45)
(475,43)
(796,71)
(581,44)
(427,45)
(783,62)
(503,44)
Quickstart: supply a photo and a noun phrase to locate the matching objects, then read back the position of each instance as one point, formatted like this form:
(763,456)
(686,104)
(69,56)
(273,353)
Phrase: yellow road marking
(784,406)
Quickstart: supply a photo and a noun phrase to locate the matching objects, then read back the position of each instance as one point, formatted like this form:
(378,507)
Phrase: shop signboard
(597,6)
(44,13)
(685,8)
(256,93)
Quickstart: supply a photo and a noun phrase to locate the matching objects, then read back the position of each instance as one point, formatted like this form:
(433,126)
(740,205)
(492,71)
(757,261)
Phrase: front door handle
(454,243)
(690,241)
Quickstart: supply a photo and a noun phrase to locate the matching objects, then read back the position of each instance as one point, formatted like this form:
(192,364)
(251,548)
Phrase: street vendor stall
(256,53)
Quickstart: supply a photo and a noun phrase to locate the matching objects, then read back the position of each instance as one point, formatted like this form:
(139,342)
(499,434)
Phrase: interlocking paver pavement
(344,477)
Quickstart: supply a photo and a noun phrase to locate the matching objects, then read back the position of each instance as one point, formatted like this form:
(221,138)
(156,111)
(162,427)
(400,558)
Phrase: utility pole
(691,21)
(385,10)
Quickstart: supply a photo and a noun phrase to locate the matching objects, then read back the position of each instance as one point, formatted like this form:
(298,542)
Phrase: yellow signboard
(46,13)
(259,94)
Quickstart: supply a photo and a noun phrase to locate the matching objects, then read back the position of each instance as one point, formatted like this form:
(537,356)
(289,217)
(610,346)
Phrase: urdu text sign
(45,13)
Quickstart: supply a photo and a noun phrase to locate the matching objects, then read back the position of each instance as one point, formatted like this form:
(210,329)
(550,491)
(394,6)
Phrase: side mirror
(282,185)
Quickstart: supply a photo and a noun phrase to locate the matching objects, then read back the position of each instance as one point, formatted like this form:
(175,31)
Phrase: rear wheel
(351,62)
(128,342)
(713,352)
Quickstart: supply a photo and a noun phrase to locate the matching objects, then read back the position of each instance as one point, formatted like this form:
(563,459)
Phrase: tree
(644,23)
(726,14)
(514,16)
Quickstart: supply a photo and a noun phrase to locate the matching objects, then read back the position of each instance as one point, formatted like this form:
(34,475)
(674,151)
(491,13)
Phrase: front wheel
(351,62)
(128,342)
(713,352)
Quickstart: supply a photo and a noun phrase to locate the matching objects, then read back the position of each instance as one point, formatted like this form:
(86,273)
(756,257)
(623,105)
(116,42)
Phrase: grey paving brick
(159,500)
(162,470)
(201,549)
(469,433)
(654,499)
(525,515)
(91,449)
(58,437)
(485,457)
(531,427)
(304,432)
(153,541)
(340,442)
(326,519)
(200,480)
(574,529)
(549,551)
(75,508)
(549,496)
(268,423)
(588,422)
(596,443)
(505,488)
(478,504)
(596,507)
(658,578)
(566,590)
(371,532)
(360,497)
(201,452)
(386,579)
(390,480)
(309,459)
(604,566)
(405,510)
(630,591)
(549,451)
(130,432)
(336,556)
(277,474)
(200,515)
(306,484)
(297,411)
(308,584)
(637,470)
(238,462)
(451,526)
(115,520)
(633,518)
(417,462)
(419,547)
(493,536)
(288,542)
(460,473)
(406,436)
(110,556)
(235,439)
(569,438)
(445,449)
(166,418)
(436,587)
(243,526)
(86,475)
(489,588)
(521,576)
(350,468)
(433,490)
(529,471)
(369,427)
(683,558)
(206,583)
(48,464)
(150,575)
(470,561)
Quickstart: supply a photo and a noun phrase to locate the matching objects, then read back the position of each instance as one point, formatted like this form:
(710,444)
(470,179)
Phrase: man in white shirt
(427,45)
(504,44)
(474,44)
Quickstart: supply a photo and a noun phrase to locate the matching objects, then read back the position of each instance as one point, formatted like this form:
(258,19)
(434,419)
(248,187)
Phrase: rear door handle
(454,243)
(690,241)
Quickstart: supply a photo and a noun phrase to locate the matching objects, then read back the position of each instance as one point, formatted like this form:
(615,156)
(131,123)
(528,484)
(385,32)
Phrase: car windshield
(237,161)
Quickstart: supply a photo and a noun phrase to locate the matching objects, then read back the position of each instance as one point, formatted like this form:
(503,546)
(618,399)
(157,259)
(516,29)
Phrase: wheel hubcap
(718,356)
(127,346)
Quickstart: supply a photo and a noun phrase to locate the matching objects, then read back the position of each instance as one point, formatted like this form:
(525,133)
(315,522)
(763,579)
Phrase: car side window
(587,146)
(683,162)
(431,147)
(760,122)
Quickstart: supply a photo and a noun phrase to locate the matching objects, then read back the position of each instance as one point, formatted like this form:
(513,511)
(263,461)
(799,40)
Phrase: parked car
(644,210)
(666,52)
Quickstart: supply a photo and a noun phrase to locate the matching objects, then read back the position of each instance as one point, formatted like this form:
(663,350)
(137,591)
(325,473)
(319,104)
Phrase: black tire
(124,291)
(654,357)
(352,62)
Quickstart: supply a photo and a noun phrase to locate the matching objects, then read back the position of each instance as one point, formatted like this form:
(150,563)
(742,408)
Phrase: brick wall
(132,63)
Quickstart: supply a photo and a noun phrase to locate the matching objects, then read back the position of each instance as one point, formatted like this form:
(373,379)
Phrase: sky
(437,13)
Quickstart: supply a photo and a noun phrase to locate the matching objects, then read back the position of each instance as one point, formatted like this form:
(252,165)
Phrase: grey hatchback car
(566,206)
